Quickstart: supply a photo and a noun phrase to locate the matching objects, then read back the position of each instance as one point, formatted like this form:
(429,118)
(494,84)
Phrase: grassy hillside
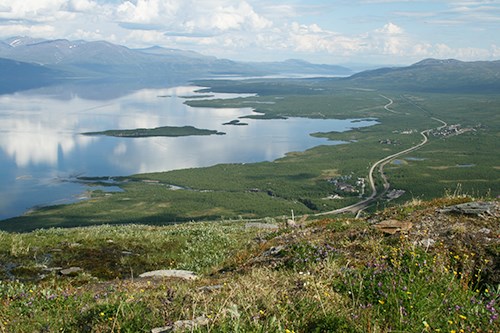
(326,275)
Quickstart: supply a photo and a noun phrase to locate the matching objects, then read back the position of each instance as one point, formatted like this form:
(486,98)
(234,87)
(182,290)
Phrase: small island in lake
(235,123)
(169,131)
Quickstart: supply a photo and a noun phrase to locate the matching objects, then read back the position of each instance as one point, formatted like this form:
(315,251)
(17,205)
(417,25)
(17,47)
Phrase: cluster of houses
(394,194)
(388,142)
(405,132)
(346,185)
(451,130)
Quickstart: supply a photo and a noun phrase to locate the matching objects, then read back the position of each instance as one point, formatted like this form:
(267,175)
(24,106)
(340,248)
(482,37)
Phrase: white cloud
(37,31)
(255,28)
(81,5)
(146,11)
(466,53)
(387,40)
(390,29)
(495,51)
(390,40)
(27,9)
(193,15)
(312,38)
(87,35)
(150,37)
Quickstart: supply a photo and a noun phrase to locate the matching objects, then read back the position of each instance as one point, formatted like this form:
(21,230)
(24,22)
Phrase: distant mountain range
(28,63)
(103,60)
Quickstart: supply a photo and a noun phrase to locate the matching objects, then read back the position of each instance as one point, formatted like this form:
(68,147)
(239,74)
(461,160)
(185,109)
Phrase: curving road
(360,206)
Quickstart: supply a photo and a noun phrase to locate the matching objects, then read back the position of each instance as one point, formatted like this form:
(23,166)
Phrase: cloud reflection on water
(41,139)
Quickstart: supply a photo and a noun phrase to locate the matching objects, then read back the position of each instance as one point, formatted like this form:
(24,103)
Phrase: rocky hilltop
(418,267)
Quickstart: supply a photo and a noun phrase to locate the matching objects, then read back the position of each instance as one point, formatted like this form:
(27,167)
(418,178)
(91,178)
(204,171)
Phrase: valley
(431,164)
(378,130)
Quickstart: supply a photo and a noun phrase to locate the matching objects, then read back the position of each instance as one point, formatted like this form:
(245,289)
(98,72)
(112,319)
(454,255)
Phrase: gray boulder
(175,273)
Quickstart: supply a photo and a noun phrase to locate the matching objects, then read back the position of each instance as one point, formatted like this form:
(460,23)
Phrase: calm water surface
(42,150)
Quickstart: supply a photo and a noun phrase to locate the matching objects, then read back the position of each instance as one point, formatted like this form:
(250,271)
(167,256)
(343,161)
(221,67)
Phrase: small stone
(175,273)
(274,251)
(393,226)
(190,324)
(164,329)
(261,225)
(427,242)
(485,231)
(52,269)
(183,325)
(70,271)
(211,288)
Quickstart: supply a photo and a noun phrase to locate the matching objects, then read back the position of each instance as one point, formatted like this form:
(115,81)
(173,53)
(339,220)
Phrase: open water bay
(42,150)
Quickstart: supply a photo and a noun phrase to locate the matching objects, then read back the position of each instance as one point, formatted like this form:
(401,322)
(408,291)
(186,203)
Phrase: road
(360,206)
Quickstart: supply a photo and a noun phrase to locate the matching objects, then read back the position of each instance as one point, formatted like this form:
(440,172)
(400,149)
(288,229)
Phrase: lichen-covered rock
(393,226)
(175,273)
(72,271)
(471,208)
(183,325)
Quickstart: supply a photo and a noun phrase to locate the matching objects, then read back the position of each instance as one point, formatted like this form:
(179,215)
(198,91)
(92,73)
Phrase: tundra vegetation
(325,275)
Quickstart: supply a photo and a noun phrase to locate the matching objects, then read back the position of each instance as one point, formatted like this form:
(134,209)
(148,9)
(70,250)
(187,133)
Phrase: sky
(319,31)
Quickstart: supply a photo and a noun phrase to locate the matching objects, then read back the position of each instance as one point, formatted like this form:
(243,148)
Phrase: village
(452,130)
(347,185)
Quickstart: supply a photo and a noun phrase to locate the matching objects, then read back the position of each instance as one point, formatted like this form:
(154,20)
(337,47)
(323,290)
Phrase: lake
(42,150)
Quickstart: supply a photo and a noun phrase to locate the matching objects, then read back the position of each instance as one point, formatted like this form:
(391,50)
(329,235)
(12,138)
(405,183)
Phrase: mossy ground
(329,275)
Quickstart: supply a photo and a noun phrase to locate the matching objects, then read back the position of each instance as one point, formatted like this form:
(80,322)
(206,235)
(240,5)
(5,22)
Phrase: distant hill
(434,75)
(16,75)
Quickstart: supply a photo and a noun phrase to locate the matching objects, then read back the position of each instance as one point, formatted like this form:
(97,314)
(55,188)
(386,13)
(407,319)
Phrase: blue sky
(321,31)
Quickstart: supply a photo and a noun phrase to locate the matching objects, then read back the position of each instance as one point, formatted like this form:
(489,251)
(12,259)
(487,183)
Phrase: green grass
(109,252)
(332,275)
